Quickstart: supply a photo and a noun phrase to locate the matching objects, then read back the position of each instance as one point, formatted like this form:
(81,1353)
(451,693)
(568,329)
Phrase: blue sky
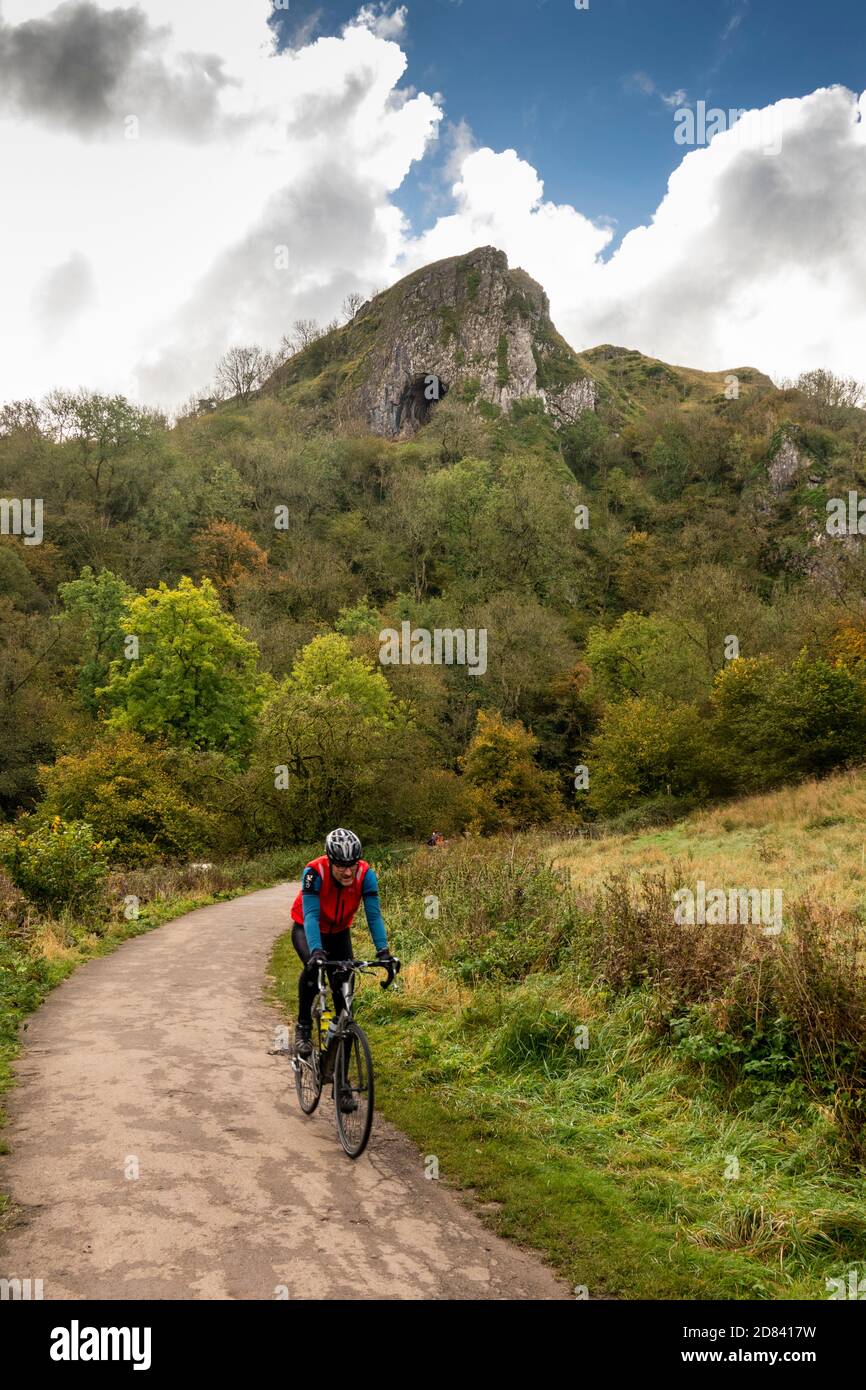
(570,90)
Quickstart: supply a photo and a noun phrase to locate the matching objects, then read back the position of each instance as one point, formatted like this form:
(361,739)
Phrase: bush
(24,979)
(60,866)
(128,789)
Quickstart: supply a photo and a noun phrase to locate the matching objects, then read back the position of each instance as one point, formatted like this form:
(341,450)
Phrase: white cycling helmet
(343,847)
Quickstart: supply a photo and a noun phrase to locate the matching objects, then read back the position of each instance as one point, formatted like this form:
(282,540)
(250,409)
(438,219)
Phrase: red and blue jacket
(324,906)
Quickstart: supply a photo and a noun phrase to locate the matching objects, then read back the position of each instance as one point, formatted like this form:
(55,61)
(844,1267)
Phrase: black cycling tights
(337,946)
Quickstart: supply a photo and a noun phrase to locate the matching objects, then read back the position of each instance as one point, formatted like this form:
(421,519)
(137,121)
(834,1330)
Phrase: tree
(360,617)
(98,432)
(648,748)
(351,304)
(326,666)
(32,704)
(98,602)
(780,722)
(830,392)
(334,746)
(510,791)
(20,415)
(304,332)
(242,370)
(226,553)
(194,680)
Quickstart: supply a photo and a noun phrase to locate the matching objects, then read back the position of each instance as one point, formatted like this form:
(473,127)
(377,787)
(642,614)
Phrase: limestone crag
(472,325)
(467,325)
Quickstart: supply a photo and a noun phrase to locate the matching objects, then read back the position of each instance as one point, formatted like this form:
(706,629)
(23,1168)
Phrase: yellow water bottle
(326,1021)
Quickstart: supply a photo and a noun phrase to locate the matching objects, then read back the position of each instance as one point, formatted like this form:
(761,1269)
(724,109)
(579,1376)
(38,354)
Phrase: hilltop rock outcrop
(468,325)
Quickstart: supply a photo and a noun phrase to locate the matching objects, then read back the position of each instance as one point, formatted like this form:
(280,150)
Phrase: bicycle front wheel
(308,1071)
(353,1091)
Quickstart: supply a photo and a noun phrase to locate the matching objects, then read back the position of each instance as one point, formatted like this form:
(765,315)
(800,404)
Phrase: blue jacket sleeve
(311,887)
(373,910)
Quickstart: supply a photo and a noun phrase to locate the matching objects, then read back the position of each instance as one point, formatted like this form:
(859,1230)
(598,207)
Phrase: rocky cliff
(467,325)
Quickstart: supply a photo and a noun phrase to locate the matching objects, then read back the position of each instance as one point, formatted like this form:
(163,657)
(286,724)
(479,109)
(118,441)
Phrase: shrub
(60,866)
(24,979)
(500,913)
(631,939)
(127,788)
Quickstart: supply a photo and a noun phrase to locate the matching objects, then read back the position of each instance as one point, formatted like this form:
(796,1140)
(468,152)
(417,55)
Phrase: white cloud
(642,82)
(131,265)
(752,258)
(182,236)
(382,21)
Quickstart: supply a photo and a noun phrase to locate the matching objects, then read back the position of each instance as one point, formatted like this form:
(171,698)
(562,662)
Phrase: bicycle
(343,1058)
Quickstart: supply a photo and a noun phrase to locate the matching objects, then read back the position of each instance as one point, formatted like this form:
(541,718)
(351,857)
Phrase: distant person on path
(332,888)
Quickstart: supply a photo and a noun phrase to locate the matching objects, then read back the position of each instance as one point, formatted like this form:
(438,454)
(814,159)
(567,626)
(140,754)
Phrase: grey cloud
(331,111)
(87,69)
(328,222)
(64,294)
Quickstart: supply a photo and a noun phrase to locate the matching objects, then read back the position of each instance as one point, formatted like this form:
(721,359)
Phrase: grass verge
(637,1171)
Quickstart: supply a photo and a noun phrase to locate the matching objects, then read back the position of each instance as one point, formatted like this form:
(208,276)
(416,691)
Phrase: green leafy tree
(776,723)
(359,618)
(99,602)
(327,667)
(195,679)
(647,748)
(334,744)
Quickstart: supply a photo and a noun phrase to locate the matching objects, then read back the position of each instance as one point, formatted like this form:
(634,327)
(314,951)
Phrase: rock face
(472,328)
(471,325)
(786,465)
(466,325)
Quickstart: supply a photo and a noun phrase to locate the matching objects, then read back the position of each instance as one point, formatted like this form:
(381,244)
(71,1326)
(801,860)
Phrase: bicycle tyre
(354,1137)
(308,1071)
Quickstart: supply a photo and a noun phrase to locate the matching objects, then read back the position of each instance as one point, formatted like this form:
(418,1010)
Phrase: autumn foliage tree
(226,553)
(509,789)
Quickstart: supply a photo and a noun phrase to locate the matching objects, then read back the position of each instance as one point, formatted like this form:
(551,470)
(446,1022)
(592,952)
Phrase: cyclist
(332,889)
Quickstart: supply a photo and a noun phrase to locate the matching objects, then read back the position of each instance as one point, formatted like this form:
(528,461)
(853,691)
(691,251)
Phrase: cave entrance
(418,399)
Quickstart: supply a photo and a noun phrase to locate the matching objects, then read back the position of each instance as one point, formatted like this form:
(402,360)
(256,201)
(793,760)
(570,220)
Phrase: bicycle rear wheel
(353,1089)
(308,1071)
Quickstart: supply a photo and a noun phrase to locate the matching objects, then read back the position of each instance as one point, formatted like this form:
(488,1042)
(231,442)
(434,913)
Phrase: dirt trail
(157,1056)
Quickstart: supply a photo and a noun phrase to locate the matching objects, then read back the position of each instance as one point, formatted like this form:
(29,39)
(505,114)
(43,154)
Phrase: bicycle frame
(347,988)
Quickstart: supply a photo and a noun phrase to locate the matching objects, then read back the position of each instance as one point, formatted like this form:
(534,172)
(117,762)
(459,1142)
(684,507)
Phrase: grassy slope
(630,381)
(808,840)
(615,1162)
